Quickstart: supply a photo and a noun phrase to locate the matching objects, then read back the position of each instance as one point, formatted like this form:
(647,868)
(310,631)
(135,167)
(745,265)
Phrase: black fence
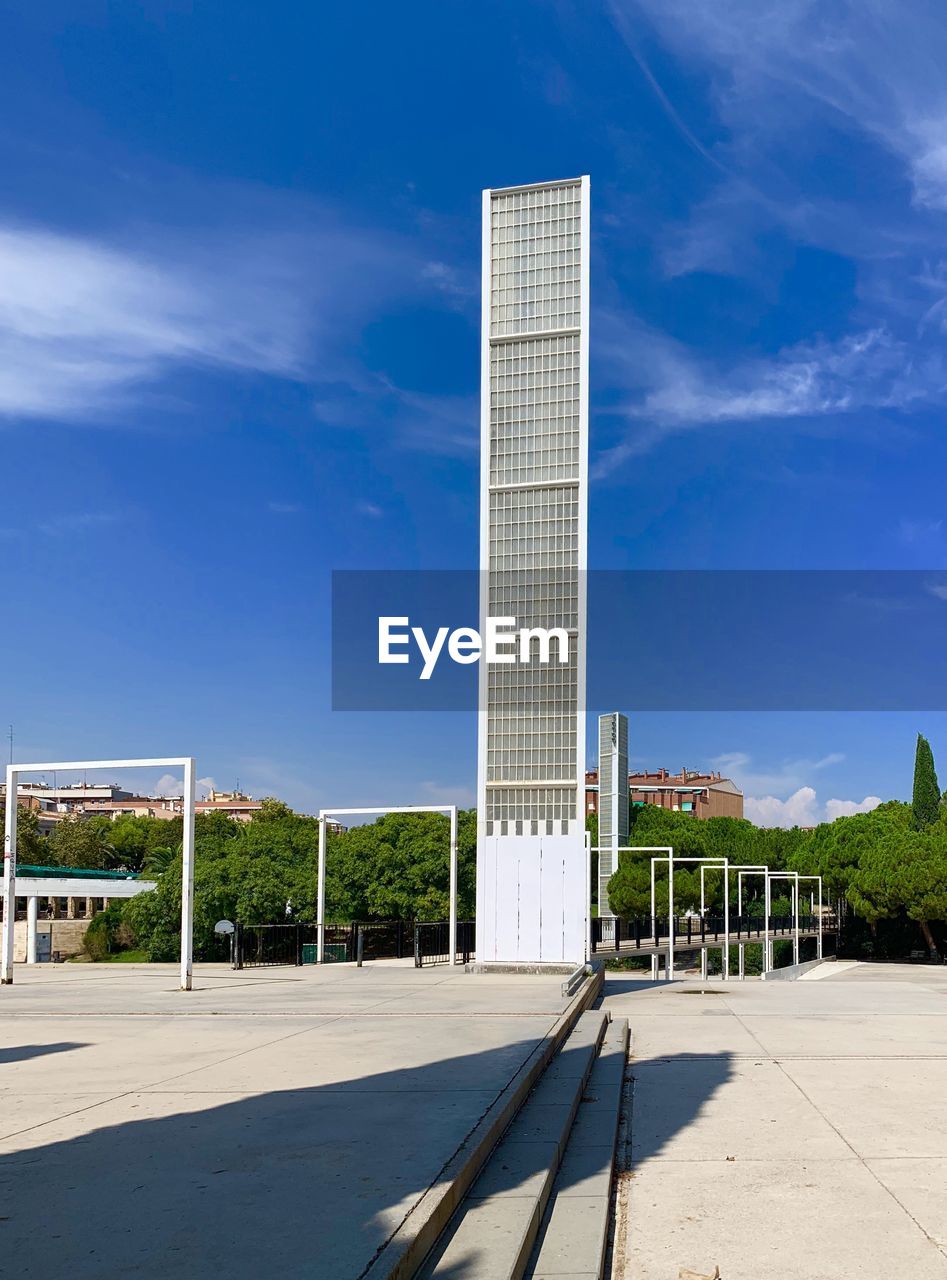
(610,933)
(256,945)
(432,942)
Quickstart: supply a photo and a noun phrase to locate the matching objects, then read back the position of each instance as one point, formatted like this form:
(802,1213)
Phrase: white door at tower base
(532,908)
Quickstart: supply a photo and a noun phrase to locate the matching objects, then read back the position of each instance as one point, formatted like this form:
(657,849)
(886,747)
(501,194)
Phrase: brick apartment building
(706,795)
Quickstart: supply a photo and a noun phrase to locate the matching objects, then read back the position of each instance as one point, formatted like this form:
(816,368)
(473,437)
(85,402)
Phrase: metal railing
(611,933)
(432,942)
(258,945)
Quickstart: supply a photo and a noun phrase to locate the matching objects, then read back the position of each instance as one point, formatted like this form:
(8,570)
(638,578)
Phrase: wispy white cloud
(173,788)
(82,322)
(845,808)
(783,796)
(447,793)
(78,522)
(802,809)
(92,326)
(876,68)
(670,388)
(370,509)
(782,779)
(797,810)
(284,508)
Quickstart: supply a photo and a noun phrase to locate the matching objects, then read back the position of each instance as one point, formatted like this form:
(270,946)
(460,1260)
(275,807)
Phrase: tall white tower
(613,816)
(532,894)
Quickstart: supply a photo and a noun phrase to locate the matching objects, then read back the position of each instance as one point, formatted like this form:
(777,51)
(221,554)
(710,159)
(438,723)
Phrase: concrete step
(572,1237)
(493,1231)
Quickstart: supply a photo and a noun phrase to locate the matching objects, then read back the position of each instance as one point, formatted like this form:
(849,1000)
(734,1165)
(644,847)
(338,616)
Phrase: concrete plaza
(794,1130)
(270,1122)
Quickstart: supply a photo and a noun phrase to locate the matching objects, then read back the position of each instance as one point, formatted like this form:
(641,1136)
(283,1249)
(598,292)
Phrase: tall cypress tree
(925,803)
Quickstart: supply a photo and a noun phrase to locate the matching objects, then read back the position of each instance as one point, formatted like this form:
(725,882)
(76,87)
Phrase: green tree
(903,871)
(30,843)
(925,800)
(82,842)
(159,859)
(134,839)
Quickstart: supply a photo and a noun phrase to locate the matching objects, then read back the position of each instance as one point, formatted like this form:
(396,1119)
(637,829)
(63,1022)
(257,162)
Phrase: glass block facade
(613,818)
(535,434)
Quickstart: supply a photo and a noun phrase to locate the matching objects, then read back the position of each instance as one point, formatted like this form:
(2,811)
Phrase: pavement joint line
(805,1161)
(800,1057)
(368,1012)
(941,1249)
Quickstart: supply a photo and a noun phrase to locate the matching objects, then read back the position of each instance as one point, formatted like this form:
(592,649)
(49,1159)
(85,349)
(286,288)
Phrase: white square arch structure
(186,763)
(381,810)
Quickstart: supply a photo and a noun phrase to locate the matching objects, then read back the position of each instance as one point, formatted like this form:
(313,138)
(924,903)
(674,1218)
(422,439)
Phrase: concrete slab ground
(269,1122)
(788,1130)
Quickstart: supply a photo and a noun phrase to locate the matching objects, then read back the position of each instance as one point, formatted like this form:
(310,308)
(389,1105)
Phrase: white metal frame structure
(533,559)
(715,863)
(794,900)
(754,869)
(186,763)
(381,810)
(819,943)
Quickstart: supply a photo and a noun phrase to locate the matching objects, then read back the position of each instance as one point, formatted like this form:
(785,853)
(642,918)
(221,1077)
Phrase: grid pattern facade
(534,410)
(613,816)
(535,261)
(534,536)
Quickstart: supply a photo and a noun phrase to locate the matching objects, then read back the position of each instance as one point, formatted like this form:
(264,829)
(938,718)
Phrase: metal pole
(321,893)
(670,973)
(9,879)
(360,947)
(187,879)
(795,900)
(452,911)
(653,925)
(820,917)
(725,967)
(767,901)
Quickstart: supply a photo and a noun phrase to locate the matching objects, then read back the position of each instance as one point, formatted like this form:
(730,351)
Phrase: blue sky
(239,348)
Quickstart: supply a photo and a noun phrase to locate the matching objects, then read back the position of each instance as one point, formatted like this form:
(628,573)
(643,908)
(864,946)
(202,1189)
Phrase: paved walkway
(269,1123)
(791,1130)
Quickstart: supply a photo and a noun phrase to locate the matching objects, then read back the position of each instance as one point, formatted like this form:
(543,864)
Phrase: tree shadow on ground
(669,1093)
(23,1052)
(307,1182)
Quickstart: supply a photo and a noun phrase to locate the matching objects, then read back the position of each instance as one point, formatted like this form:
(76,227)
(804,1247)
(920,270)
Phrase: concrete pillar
(32,916)
(89,913)
(70,908)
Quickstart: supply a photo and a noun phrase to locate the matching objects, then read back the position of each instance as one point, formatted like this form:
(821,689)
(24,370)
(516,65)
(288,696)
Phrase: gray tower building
(532,893)
(613,818)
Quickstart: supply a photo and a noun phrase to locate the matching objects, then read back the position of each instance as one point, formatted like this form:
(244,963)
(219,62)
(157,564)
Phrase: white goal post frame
(381,810)
(186,763)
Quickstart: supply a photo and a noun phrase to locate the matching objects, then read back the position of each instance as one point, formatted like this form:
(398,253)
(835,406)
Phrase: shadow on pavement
(23,1052)
(308,1182)
(669,1093)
